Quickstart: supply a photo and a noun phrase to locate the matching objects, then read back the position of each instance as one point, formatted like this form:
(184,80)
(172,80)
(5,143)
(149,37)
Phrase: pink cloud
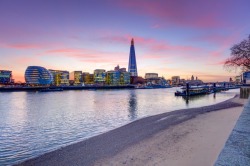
(66,50)
(153,56)
(221,42)
(219,39)
(88,55)
(24,46)
(156,26)
(21,46)
(185,13)
(219,63)
(151,43)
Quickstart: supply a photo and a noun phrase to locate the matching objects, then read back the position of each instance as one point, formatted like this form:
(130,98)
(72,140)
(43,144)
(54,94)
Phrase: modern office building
(37,75)
(125,78)
(99,76)
(151,75)
(60,77)
(117,77)
(132,67)
(113,77)
(91,78)
(87,78)
(246,77)
(5,76)
(64,77)
(76,76)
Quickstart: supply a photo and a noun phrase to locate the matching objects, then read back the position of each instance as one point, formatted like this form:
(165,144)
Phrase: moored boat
(192,91)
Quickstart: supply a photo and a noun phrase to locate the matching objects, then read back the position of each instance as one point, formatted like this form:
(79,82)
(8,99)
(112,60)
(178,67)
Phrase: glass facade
(117,78)
(132,67)
(99,76)
(125,78)
(91,78)
(60,77)
(36,75)
(64,78)
(246,77)
(87,78)
(113,78)
(76,76)
(5,76)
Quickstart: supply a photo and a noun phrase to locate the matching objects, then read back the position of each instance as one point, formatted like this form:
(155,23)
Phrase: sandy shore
(185,137)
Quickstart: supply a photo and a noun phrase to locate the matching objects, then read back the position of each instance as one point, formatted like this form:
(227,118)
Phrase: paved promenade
(237,147)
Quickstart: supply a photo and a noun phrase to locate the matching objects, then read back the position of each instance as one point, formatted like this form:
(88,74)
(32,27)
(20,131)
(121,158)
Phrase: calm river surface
(33,123)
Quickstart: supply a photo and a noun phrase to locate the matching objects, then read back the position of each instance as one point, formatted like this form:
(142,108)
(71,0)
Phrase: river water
(33,123)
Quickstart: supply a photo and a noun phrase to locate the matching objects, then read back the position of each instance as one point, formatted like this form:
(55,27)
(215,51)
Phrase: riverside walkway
(237,148)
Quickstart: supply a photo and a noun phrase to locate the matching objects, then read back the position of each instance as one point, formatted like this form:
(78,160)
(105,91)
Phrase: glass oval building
(37,75)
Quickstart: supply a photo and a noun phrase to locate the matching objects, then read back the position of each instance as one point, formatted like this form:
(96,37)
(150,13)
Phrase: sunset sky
(172,37)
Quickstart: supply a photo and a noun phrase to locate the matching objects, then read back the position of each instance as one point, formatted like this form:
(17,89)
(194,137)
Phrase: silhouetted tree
(240,56)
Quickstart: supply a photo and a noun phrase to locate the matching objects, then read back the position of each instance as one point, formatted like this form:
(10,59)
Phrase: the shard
(132,68)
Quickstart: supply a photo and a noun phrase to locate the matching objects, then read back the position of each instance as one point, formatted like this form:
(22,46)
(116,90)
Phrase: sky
(172,37)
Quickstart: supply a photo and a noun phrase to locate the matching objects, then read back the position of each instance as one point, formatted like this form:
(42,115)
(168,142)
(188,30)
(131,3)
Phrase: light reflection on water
(33,123)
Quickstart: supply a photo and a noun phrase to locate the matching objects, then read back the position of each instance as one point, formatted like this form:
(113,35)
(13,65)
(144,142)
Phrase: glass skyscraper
(132,68)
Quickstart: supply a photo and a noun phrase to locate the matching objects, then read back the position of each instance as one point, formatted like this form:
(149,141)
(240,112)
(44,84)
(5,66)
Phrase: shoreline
(107,145)
(66,88)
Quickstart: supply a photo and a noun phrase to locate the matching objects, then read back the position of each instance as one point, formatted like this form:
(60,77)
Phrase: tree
(240,56)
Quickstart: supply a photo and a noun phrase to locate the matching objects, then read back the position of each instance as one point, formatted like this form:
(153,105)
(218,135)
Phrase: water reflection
(189,99)
(132,105)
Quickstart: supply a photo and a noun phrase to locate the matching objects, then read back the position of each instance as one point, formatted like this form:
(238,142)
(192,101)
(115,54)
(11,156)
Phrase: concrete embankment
(244,92)
(237,148)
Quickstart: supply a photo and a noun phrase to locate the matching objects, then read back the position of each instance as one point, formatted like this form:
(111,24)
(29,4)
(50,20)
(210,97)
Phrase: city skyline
(172,37)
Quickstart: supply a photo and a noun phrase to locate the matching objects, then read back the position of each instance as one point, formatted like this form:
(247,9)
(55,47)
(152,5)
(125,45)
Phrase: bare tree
(240,56)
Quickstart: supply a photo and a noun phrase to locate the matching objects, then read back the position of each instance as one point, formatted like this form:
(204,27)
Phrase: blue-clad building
(5,76)
(37,75)
(132,67)
(246,77)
